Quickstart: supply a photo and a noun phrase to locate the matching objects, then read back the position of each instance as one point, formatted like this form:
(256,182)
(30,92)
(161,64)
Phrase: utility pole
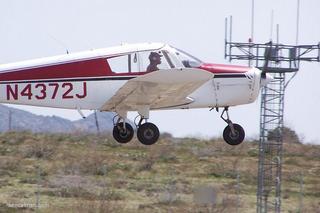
(238,191)
(301,193)
(97,122)
(10,121)
(38,187)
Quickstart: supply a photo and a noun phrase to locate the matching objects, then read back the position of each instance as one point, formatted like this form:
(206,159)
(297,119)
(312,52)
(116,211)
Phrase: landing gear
(233,134)
(234,138)
(122,131)
(147,133)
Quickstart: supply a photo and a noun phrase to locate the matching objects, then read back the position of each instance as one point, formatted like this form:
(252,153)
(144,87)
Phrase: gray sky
(39,28)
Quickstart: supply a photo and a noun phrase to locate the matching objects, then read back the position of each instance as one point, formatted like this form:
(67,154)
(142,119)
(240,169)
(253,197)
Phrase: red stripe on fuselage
(224,68)
(88,68)
(79,69)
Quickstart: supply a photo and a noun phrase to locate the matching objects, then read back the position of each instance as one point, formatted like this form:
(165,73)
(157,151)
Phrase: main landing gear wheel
(148,133)
(233,138)
(123,134)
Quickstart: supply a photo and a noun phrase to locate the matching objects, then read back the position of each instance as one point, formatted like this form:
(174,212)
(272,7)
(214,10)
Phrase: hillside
(90,173)
(21,120)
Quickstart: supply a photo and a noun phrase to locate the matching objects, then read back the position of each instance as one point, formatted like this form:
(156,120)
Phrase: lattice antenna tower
(282,59)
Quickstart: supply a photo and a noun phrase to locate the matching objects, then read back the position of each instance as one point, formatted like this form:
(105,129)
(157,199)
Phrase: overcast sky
(40,28)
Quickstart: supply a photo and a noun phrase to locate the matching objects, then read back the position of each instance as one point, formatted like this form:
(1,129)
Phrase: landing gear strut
(122,131)
(233,134)
(148,133)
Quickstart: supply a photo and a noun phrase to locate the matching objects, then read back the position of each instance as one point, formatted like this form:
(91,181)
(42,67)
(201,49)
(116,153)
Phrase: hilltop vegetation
(90,173)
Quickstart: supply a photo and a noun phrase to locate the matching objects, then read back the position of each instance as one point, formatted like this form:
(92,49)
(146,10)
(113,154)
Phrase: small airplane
(133,77)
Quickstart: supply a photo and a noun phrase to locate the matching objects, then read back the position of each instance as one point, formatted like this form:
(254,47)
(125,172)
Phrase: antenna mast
(284,59)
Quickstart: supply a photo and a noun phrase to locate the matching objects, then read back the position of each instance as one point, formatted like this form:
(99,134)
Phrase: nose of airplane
(265,79)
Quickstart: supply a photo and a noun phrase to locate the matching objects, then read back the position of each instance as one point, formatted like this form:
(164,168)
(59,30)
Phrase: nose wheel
(233,138)
(233,134)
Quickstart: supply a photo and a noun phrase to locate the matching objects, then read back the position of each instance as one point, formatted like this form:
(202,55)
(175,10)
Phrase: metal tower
(278,59)
(270,145)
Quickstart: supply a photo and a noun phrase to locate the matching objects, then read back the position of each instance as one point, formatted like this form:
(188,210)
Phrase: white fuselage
(89,80)
(222,90)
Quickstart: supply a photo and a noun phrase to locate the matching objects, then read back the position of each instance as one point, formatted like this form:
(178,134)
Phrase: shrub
(38,149)
(10,164)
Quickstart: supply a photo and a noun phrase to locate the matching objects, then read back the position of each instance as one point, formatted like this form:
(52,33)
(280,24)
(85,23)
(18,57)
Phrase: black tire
(148,133)
(234,139)
(121,135)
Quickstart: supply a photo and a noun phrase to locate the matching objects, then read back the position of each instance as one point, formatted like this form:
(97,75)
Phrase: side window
(119,64)
(144,60)
(124,63)
(134,62)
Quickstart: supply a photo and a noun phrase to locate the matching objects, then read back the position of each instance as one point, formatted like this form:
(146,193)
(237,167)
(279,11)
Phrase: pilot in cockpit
(155,60)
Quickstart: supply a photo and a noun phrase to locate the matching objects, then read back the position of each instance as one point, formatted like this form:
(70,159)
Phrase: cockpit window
(187,59)
(149,61)
(174,60)
(152,60)
(166,55)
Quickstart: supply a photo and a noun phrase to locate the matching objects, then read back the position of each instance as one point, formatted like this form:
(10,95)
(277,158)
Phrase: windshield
(187,59)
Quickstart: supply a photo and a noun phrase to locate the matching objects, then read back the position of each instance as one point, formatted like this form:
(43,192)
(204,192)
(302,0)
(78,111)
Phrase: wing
(160,89)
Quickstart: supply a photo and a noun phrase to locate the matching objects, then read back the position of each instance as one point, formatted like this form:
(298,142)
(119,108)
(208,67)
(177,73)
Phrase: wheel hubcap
(148,134)
(123,132)
(235,135)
